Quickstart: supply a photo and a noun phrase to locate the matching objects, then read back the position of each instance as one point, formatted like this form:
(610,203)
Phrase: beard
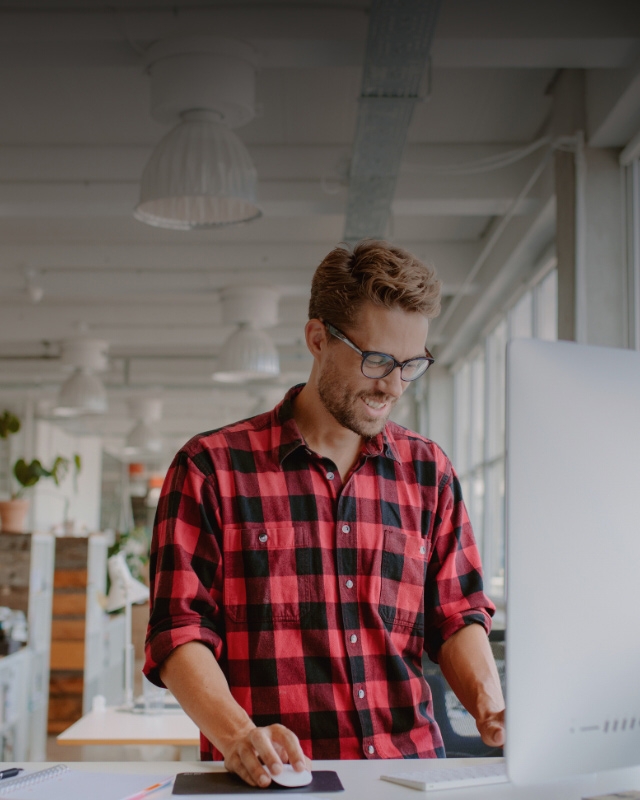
(343,406)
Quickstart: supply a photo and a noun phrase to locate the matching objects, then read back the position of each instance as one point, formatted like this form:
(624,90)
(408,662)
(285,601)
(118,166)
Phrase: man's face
(359,403)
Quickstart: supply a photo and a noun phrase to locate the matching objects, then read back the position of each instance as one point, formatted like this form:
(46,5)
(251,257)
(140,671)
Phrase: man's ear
(315,335)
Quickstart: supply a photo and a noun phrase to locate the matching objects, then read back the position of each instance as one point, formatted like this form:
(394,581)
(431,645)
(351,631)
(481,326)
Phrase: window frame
(528,313)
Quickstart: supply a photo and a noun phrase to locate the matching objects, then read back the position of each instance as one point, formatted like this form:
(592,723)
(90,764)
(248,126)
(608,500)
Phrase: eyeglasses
(379,365)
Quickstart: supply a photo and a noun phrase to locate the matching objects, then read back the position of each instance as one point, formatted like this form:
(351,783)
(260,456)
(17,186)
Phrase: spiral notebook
(62,783)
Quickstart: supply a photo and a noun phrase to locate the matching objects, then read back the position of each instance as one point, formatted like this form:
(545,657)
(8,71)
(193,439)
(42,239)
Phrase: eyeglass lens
(378,365)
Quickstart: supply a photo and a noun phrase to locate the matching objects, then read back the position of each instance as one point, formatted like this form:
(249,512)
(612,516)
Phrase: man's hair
(376,272)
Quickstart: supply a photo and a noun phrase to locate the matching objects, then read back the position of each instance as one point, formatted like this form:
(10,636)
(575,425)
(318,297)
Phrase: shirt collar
(286,436)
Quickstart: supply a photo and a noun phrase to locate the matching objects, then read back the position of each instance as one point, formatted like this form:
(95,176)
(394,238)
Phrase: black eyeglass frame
(393,362)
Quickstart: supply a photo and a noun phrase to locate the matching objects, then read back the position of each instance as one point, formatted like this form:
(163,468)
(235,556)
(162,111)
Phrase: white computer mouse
(289,777)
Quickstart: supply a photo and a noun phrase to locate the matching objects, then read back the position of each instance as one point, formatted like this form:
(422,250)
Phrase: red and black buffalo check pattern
(316,596)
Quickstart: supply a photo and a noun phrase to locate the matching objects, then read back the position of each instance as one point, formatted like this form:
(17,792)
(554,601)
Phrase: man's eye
(377,361)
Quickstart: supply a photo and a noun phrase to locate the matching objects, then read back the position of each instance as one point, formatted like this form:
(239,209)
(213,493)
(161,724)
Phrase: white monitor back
(573,560)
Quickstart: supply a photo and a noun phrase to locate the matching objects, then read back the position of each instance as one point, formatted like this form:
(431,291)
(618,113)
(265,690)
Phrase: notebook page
(69,784)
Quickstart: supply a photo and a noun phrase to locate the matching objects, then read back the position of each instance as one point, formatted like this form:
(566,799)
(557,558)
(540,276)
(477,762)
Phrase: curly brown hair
(374,271)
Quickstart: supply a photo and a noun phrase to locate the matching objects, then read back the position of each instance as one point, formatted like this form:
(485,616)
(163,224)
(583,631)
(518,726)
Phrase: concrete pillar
(592,270)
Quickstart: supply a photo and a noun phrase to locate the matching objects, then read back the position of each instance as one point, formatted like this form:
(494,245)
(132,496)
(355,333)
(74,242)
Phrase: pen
(10,773)
(153,788)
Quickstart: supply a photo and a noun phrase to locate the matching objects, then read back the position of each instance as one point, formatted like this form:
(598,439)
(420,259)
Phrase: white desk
(361,780)
(116,727)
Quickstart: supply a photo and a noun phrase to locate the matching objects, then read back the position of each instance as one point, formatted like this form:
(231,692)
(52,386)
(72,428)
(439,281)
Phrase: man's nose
(393,383)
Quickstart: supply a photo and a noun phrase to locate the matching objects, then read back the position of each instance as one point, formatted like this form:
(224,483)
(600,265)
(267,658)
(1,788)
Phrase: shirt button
(354,638)
(371,749)
(349,584)
(346,529)
(361,693)
(423,549)
(263,538)
(330,476)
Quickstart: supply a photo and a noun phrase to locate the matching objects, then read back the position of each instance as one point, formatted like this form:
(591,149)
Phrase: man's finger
(234,764)
(289,742)
(253,764)
(492,733)
(260,740)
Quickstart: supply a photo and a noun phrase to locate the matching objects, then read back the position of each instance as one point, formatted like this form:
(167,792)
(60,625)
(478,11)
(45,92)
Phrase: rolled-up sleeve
(454,592)
(185,566)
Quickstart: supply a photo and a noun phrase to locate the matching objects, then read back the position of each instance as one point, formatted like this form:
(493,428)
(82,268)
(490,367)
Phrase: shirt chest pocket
(402,579)
(266,574)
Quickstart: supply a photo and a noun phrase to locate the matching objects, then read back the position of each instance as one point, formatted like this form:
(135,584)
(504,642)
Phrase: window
(479,421)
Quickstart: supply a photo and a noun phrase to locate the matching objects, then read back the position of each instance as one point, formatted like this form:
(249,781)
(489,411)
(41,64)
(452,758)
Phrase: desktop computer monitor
(573,560)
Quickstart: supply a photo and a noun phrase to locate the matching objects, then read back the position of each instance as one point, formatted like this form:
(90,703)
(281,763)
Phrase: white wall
(83,495)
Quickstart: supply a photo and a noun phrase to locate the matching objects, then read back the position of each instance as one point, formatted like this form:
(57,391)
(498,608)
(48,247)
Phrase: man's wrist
(224,742)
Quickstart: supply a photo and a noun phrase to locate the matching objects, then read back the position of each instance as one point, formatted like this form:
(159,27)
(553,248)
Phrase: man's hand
(256,748)
(491,729)
(194,677)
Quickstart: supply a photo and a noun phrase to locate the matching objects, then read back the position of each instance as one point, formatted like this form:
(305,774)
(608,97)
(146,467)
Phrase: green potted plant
(14,510)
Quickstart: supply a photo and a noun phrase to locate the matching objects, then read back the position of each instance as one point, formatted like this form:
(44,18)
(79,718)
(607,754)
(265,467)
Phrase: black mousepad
(229,783)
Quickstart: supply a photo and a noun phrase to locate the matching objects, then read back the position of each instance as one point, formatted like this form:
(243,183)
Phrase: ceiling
(76,131)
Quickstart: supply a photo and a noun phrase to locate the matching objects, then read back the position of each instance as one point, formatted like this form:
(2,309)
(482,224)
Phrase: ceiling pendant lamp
(249,353)
(145,438)
(83,393)
(200,175)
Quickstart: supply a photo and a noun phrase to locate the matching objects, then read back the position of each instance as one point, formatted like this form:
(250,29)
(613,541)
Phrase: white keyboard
(450,778)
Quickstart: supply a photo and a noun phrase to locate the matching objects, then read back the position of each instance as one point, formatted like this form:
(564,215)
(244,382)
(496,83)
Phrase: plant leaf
(28,474)
(9,423)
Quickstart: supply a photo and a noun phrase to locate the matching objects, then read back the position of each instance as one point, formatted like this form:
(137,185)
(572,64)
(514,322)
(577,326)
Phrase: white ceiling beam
(417,193)
(188,292)
(219,258)
(613,105)
(533,53)
(124,163)
(469,35)
(288,200)
(141,27)
(571,19)
(448,53)
(118,198)
(154,271)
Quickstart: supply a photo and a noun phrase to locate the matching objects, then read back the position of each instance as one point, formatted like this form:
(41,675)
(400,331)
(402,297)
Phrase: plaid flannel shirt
(317,597)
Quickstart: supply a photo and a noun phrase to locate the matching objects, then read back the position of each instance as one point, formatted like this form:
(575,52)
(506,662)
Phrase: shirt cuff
(163,643)
(480,616)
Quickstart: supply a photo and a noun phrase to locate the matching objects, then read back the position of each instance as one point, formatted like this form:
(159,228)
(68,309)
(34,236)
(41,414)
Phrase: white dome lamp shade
(248,354)
(145,438)
(83,393)
(200,175)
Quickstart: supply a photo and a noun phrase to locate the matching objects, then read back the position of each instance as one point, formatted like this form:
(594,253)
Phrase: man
(303,559)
